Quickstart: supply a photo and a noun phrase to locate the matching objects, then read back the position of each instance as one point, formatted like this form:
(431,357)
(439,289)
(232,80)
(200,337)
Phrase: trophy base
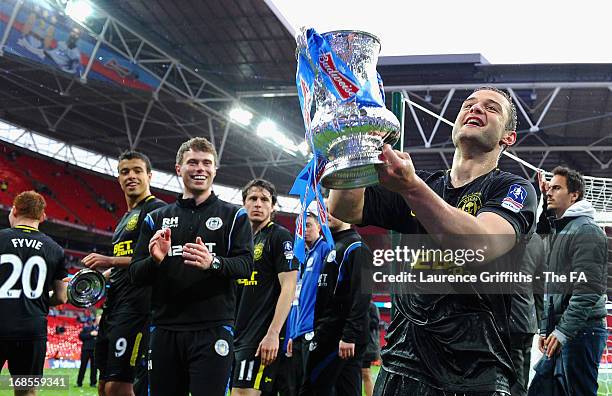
(354,170)
(349,174)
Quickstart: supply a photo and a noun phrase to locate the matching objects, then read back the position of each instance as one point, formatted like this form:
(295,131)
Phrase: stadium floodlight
(241,116)
(303,148)
(286,144)
(268,130)
(79,10)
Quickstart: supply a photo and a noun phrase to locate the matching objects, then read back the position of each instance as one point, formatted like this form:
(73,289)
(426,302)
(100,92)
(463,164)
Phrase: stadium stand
(65,344)
(69,191)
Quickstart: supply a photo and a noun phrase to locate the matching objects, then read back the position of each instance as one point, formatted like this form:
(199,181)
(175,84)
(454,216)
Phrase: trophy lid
(346,31)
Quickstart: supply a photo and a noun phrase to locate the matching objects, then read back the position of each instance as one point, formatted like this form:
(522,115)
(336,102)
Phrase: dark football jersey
(273,254)
(30,262)
(457,342)
(122,295)
(343,297)
(186,298)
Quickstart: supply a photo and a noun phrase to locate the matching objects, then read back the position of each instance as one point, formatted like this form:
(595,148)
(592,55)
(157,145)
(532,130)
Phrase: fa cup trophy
(351,123)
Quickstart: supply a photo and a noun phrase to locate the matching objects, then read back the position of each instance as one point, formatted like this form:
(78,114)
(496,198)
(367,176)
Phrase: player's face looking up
(482,122)
(197,171)
(258,204)
(133,177)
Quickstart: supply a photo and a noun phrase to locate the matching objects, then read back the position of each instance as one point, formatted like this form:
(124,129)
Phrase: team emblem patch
(222,347)
(331,256)
(309,262)
(312,346)
(470,203)
(214,223)
(288,248)
(132,223)
(309,336)
(258,251)
(515,198)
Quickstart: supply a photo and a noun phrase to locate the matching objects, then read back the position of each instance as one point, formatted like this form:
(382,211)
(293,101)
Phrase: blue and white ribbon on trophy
(306,184)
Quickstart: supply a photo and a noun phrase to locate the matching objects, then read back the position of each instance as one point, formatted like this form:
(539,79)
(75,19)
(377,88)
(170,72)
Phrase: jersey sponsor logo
(177,250)
(258,251)
(124,248)
(214,223)
(470,203)
(288,248)
(132,222)
(169,222)
(515,198)
(222,348)
(248,282)
(312,346)
(322,280)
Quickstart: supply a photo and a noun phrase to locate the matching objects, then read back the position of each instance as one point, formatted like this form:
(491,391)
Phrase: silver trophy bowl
(348,136)
(86,288)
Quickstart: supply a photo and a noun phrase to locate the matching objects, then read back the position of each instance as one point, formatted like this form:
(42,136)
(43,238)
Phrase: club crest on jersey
(169,222)
(222,347)
(470,203)
(214,223)
(331,256)
(515,198)
(258,251)
(309,263)
(132,223)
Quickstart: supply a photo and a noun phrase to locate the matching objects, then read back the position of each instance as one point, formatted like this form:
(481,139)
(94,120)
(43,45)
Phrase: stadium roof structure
(209,56)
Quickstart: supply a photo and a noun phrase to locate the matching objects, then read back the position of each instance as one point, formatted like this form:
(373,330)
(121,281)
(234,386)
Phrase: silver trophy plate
(348,135)
(86,288)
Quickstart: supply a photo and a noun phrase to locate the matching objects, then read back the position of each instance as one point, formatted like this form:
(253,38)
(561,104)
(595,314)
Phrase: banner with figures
(43,35)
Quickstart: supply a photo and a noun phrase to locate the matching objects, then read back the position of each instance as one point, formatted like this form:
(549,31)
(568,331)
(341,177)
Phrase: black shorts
(194,361)
(120,346)
(327,374)
(249,373)
(141,377)
(25,357)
